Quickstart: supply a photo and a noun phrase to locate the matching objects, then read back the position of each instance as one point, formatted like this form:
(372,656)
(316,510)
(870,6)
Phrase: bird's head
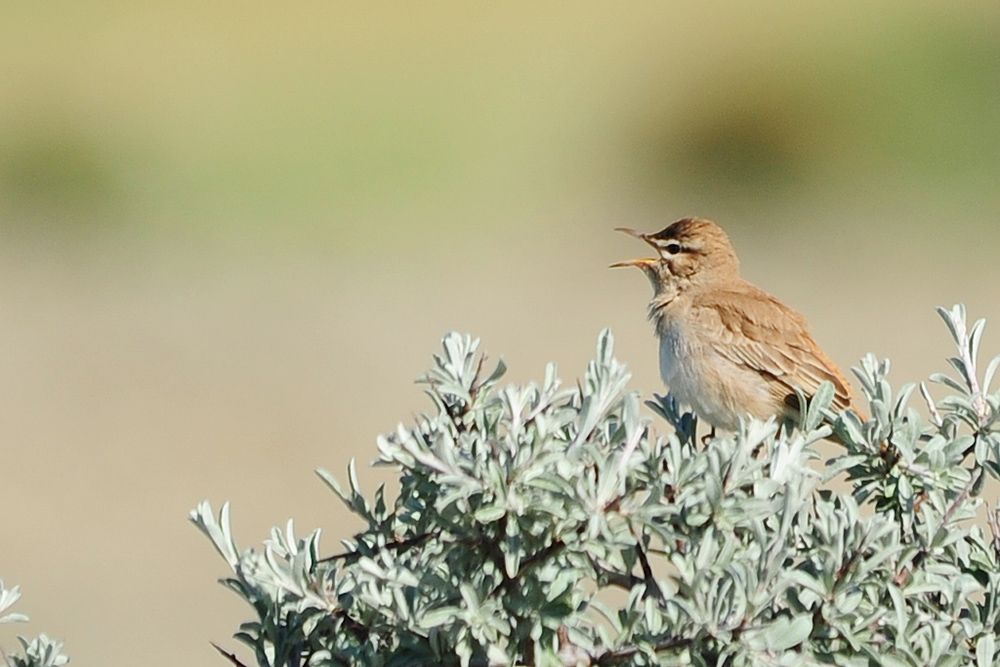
(692,249)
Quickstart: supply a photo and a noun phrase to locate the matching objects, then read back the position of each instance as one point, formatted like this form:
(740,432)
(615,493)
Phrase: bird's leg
(705,439)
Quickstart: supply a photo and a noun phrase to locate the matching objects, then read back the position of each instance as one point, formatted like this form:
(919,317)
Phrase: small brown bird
(727,348)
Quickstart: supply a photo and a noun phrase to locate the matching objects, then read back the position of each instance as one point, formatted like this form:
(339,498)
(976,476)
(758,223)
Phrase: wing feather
(763,334)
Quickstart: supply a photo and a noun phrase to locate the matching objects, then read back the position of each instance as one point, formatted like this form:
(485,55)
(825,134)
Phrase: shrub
(551,526)
(38,652)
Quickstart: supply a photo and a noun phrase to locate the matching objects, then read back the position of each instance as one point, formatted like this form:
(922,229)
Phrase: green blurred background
(232,234)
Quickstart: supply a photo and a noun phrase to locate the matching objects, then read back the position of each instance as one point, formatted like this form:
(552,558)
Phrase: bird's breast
(680,353)
(717,389)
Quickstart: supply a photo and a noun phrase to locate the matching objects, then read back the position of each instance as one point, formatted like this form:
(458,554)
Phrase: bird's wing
(761,333)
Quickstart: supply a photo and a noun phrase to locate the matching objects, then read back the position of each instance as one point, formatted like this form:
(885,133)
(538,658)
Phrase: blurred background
(233,233)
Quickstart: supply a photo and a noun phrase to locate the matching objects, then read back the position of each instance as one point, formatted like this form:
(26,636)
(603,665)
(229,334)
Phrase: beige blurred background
(233,233)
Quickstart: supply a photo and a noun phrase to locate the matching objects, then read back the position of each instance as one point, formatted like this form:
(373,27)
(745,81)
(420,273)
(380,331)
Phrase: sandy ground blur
(218,351)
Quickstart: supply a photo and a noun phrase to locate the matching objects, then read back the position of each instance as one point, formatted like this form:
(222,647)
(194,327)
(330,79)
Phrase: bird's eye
(673,248)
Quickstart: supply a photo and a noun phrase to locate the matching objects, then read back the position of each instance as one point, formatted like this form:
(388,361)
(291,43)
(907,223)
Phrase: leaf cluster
(40,651)
(551,526)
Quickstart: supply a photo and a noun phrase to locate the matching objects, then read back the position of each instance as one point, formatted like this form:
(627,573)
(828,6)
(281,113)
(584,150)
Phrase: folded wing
(763,334)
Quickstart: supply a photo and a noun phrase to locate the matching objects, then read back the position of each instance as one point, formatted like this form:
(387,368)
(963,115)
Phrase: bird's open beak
(641,263)
(632,232)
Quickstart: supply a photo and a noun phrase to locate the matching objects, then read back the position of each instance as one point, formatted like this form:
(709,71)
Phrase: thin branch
(475,386)
(959,500)
(903,576)
(531,561)
(400,545)
(993,517)
(623,580)
(652,588)
(231,657)
(609,658)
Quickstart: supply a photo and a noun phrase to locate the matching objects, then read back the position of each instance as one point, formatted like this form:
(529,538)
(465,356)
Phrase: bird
(728,349)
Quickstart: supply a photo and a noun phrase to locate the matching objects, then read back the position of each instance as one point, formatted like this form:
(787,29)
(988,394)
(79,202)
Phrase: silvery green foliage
(551,526)
(38,652)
